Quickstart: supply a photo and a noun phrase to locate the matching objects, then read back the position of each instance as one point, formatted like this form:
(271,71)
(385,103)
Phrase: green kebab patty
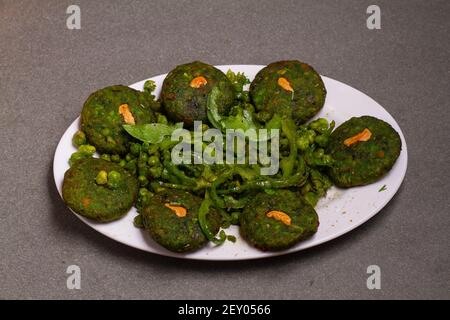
(106,110)
(99,189)
(288,88)
(185,91)
(278,221)
(364,149)
(171,218)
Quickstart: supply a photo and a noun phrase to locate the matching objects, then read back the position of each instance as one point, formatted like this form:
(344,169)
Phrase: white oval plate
(339,212)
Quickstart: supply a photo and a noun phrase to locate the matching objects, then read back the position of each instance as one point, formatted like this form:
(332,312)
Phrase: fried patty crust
(185,91)
(263,220)
(98,202)
(288,88)
(107,110)
(171,218)
(358,163)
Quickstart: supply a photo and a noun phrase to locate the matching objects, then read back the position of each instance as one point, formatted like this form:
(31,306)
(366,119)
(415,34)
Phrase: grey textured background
(47,71)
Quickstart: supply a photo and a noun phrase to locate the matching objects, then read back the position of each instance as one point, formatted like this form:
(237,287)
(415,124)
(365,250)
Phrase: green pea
(79,138)
(115,158)
(114,179)
(145,146)
(106,132)
(110,140)
(138,222)
(284,141)
(310,134)
(320,125)
(141,164)
(143,157)
(319,153)
(122,163)
(322,140)
(153,161)
(155,172)
(165,174)
(77,156)
(143,181)
(135,149)
(327,160)
(105,156)
(152,149)
(226,224)
(302,143)
(114,175)
(131,166)
(166,154)
(235,217)
(142,167)
(102,177)
(129,157)
(263,116)
(149,86)
(143,192)
(86,149)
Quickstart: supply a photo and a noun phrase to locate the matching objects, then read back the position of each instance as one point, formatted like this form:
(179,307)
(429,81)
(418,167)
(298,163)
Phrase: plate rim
(262,254)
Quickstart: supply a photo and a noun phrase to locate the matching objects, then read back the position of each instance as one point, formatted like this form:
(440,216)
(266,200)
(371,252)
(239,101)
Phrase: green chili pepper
(288,128)
(202,214)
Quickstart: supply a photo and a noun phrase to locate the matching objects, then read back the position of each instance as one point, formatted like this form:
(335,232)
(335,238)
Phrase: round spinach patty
(288,88)
(277,221)
(364,149)
(171,218)
(102,202)
(186,88)
(107,110)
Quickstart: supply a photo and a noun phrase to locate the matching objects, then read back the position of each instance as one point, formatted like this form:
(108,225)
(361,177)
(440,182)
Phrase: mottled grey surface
(47,71)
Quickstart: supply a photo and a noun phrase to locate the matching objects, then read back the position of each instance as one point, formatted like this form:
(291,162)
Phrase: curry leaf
(239,119)
(151,132)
